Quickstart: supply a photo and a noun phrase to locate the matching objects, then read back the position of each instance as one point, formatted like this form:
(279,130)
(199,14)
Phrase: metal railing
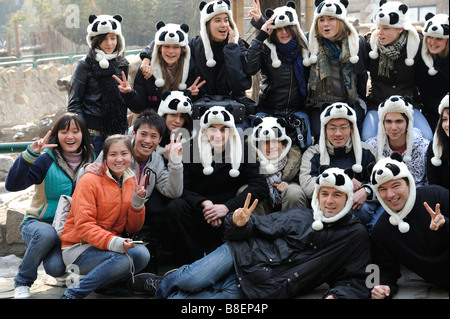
(15,147)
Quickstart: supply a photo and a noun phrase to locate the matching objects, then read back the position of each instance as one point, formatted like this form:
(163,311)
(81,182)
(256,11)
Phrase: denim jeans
(370,125)
(368,214)
(211,277)
(97,142)
(43,245)
(103,267)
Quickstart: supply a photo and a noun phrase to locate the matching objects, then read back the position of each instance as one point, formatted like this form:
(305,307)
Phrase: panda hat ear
(282,122)
(429,15)
(187,93)
(322,168)
(258,120)
(290,4)
(92,18)
(269,13)
(324,106)
(160,24)
(118,17)
(397,156)
(349,172)
(184,27)
(164,95)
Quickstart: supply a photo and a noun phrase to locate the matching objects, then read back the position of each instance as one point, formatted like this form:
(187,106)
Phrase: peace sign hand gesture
(41,144)
(124,86)
(255,13)
(242,215)
(139,188)
(175,147)
(194,88)
(437,219)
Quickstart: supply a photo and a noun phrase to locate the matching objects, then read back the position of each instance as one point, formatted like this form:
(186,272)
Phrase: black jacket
(280,255)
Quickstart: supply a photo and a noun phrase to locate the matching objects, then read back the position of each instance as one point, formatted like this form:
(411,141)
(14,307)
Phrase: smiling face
(217,135)
(218,27)
(331,201)
(284,35)
(388,35)
(436,45)
(170,53)
(174,121)
(118,158)
(445,124)
(328,27)
(272,149)
(70,138)
(338,132)
(146,139)
(394,193)
(395,125)
(109,43)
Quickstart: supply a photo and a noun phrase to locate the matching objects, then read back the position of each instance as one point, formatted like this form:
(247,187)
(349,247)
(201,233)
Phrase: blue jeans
(97,142)
(211,277)
(103,267)
(370,125)
(368,214)
(43,245)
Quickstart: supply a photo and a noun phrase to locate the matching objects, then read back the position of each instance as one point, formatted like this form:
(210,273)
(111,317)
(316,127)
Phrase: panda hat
(394,14)
(173,102)
(219,115)
(266,129)
(436,26)
(340,110)
(339,179)
(208,10)
(338,9)
(283,17)
(400,104)
(437,147)
(385,170)
(170,34)
(104,24)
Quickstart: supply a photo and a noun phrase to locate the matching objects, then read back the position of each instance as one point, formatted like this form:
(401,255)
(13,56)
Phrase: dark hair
(63,123)
(442,137)
(114,139)
(150,118)
(294,33)
(98,39)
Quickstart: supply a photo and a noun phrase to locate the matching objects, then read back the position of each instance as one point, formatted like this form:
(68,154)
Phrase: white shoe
(22,292)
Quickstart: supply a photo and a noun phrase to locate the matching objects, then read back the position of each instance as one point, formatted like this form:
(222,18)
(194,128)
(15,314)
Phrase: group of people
(322,211)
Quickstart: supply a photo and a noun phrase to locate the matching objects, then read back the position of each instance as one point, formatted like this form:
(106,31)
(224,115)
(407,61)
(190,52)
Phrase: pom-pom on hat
(385,170)
(173,102)
(436,26)
(338,9)
(266,129)
(207,11)
(437,147)
(219,115)
(394,14)
(339,110)
(104,24)
(170,34)
(400,104)
(339,179)
(283,17)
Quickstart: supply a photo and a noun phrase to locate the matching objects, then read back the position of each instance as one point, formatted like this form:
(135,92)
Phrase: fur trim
(436,26)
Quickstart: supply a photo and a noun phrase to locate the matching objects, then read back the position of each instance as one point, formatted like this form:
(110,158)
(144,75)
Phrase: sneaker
(22,292)
(145,283)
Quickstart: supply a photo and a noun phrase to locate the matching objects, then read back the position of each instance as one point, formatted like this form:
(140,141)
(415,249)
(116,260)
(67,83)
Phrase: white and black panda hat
(173,102)
(340,110)
(437,147)
(207,11)
(283,17)
(336,178)
(385,170)
(395,15)
(400,104)
(219,115)
(266,129)
(338,9)
(104,24)
(436,26)
(171,34)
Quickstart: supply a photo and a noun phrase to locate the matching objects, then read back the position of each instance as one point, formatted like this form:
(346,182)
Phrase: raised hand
(41,144)
(194,88)
(146,69)
(124,86)
(437,219)
(255,13)
(175,147)
(230,34)
(242,215)
(139,188)
(266,28)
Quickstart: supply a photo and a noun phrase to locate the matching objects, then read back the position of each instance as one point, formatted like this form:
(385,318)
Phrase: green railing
(16,147)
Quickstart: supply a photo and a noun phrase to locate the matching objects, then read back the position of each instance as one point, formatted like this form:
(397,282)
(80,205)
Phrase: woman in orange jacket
(103,207)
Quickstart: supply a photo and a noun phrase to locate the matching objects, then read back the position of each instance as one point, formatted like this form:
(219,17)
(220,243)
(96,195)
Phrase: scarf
(289,53)
(320,79)
(390,53)
(114,118)
(73,159)
(275,178)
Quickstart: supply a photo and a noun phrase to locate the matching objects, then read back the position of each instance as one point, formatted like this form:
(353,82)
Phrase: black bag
(297,130)
(219,100)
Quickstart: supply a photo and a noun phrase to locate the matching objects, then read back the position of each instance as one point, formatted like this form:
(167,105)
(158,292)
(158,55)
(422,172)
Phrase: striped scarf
(275,178)
(390,53)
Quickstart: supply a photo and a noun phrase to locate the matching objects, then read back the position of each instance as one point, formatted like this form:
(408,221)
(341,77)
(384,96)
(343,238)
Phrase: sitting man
(282,254)
(405,234)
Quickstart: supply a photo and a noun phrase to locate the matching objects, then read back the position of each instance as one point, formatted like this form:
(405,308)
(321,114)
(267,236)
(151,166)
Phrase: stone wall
(28,93)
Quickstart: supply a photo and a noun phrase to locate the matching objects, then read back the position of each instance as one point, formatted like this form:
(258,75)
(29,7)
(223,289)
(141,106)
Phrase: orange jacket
(101,210)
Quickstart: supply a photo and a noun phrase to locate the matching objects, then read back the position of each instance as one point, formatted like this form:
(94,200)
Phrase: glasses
(333,129)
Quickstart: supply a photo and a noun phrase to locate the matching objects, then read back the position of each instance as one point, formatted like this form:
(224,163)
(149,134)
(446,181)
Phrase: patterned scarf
(275,178)
(390,53)
(289,53)
(320,79)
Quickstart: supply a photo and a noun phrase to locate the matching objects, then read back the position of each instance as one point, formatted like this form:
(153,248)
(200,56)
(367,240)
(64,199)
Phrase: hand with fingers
(230,34)
(266,28)
(139,188)
(195,87)
(437,219)
(255,12)
(124,86)
(41,144)
(175,147)
(146,68)
(242,215)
